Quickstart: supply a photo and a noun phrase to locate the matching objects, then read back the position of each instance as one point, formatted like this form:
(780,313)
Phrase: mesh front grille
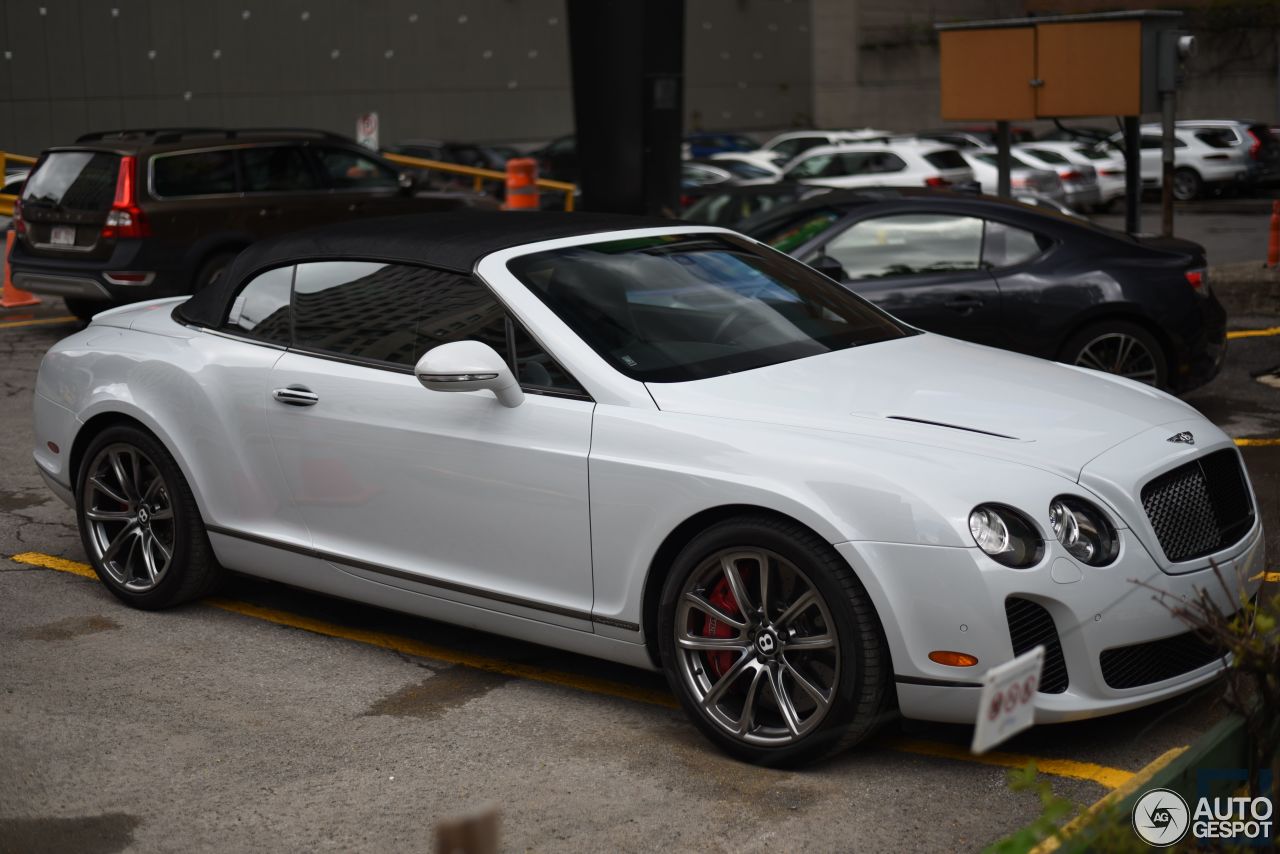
(1029,626)
(1146,663)
(1200,507)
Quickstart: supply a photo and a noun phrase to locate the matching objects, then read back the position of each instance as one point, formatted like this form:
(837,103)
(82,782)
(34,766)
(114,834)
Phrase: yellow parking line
(1112,778)
(39,321)
(1257,443)
(1135,781)
(1100,774)
(1254,333)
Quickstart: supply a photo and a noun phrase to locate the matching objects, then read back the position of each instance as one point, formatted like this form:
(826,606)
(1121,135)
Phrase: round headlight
(1006,535)
(1084,530)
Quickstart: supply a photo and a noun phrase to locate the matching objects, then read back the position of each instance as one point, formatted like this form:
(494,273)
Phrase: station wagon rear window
(75,180)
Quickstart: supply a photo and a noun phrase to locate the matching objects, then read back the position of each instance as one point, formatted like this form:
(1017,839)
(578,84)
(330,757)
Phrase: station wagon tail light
(125,219)
(19,224)
(936,181)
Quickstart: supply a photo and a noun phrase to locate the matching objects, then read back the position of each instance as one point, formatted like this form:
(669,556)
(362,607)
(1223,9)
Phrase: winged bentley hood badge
(1184,437)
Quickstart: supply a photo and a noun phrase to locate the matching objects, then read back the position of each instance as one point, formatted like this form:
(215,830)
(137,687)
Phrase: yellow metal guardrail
(6,201)
(478,176)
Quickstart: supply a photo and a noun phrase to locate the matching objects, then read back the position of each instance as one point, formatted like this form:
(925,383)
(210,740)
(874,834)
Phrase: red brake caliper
(722,597)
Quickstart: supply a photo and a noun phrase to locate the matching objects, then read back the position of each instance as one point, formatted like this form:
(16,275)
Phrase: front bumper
(933,598)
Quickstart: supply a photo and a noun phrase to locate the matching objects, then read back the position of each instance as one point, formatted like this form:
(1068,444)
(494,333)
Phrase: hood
(931,390)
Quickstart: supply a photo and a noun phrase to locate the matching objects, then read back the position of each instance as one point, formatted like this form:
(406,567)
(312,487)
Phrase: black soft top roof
(454,241)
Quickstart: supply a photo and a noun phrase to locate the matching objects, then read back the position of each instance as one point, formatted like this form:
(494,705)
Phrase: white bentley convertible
(664,445)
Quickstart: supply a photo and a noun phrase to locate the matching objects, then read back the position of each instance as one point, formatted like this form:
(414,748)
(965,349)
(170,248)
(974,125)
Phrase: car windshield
(686,307)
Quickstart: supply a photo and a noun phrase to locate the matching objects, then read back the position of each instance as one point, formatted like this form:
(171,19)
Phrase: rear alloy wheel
(139,522)
(1187,184)
(1119,348)
(771,643)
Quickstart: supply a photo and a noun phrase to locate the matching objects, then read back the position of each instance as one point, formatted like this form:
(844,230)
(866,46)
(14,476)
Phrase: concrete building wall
(488,70)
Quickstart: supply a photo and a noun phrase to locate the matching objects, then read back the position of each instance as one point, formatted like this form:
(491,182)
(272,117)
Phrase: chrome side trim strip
(437,583)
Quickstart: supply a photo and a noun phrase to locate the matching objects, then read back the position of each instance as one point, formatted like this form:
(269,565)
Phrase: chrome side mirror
(468,366)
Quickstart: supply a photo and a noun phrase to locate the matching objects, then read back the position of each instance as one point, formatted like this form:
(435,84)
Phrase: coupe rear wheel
(1120,348)
(139,522)
(771,643)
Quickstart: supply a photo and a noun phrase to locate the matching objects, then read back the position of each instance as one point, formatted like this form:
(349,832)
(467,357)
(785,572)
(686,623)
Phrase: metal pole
(1168,104)
(1004,161)
(1132,176)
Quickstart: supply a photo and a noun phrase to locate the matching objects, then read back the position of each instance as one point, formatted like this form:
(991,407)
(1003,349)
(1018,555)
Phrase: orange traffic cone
(522,186)
(11,297)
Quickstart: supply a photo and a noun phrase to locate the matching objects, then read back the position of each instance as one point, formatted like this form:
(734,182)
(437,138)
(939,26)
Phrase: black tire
(1073,351)
(85,309)
(192,571)
(861,698)
(1187,184)
(212,269)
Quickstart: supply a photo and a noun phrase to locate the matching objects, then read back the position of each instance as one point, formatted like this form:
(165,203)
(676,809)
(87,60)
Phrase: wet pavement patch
(71,627)
(1270,378)
(93,834)
(22,500)
(448,689)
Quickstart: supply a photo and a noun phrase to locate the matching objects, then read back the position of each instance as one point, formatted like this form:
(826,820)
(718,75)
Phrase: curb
(1223,746)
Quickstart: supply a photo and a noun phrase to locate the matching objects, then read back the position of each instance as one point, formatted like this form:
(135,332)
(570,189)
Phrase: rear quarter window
(200,173)
(946,160)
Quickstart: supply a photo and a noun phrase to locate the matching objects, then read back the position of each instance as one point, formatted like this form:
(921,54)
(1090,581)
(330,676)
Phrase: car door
(449,494)
(360,184)
(282,190)
(925,268)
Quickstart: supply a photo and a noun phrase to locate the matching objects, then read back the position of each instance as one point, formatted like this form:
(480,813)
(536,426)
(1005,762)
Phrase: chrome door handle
(296,395)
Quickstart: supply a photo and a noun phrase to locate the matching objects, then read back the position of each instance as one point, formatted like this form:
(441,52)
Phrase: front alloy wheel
(771,643)
(757,646)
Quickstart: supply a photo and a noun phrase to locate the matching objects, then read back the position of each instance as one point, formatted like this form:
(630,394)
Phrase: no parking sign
(367,130)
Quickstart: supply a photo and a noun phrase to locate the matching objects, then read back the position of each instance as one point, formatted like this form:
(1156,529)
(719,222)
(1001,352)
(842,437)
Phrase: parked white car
(1079,180)
(1202,160)
(1023,178)
(897,164)
(745,161)
(785,147)
(1106,161)
(1255,139)
(664,445)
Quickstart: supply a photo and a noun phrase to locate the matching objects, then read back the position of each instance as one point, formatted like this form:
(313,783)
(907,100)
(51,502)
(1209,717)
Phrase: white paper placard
(1007,703)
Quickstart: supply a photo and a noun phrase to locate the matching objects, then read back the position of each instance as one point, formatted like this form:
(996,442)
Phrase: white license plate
(1007,701)
(62,235)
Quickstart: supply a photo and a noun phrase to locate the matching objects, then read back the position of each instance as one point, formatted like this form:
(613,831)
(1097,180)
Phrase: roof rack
(176,134)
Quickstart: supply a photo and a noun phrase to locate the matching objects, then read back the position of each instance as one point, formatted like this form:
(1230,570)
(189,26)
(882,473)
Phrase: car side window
(815,166)
(276,169)
(200,173)
(393,314)
(908,244)
(262,309)
(346,169)
(359,309)
(1006,246)
(535,368)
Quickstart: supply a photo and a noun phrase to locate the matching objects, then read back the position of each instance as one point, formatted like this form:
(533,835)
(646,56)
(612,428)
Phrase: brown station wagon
(129,215)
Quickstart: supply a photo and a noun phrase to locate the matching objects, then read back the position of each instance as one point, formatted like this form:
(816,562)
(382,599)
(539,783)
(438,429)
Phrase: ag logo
(1160,817)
